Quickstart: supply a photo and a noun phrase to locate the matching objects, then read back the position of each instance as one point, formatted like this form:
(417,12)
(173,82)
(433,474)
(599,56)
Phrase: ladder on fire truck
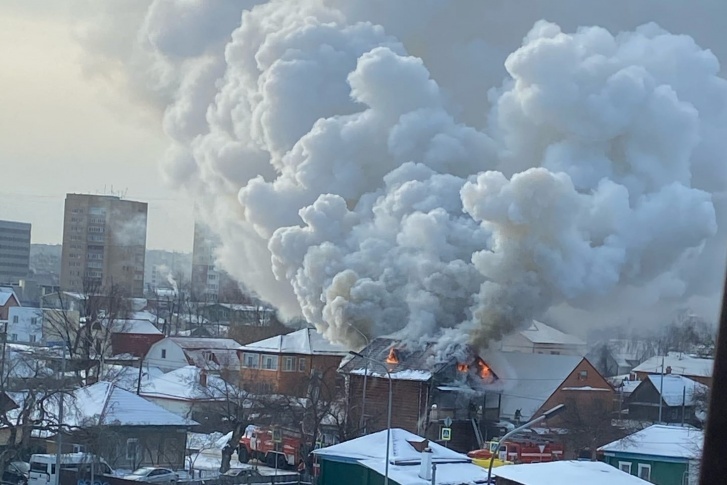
(478,433)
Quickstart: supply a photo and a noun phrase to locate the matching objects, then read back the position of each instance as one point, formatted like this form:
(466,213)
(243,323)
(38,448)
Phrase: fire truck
(518,451)
(274,446)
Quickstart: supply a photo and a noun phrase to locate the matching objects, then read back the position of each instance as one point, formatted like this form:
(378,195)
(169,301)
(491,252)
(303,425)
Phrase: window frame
(289,360)
(273,359)
(302,364)
(257,359)
(621,464)
(133,458)
(644,466)
(164,353)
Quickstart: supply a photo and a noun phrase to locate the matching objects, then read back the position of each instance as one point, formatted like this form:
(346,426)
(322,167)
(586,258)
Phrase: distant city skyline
(66,130)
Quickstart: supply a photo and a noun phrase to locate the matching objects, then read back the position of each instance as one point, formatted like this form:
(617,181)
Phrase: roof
(661,440)
(676,389)
(528,380)
(590,472)
(194,343)
(127,377)
(104,403)
(135,326)
(5,293)
(306,341)
(184,384)
(238,307)
(373,447)
(680,363)
(540,333)
(462,473)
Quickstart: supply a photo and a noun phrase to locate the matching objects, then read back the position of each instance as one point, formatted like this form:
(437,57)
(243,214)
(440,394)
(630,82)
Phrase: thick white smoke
(364,167)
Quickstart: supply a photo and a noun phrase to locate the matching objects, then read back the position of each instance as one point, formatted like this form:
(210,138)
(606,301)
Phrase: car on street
(153,475)
(16,472)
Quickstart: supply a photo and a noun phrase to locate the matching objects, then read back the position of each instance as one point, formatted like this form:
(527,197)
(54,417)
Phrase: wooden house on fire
(429,386)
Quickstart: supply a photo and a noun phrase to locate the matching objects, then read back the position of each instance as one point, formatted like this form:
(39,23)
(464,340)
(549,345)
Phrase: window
(132,449)
(164,353)
(13,337)
(270,362)
(625,466)
(79,449)
(644,472)
(251,361)
(554,352)
(33,321)
(32,338)
(289,364)
(15,319)
(583,375)
(301,365)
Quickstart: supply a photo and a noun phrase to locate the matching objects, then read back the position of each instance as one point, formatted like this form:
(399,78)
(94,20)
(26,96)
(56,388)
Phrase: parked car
(235,476)
(16,472)
(153,475)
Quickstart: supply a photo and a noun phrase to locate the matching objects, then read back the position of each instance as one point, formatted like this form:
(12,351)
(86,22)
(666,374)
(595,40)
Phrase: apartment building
(14,251)
(205,276)
(104,243)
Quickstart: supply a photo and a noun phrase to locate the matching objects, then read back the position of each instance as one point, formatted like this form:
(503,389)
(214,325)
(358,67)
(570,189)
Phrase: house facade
(8,299)
(133,336)
(660,454)
(540,338)
(25,325)
(286,364)
(668,399)
(678,363)
(215,354)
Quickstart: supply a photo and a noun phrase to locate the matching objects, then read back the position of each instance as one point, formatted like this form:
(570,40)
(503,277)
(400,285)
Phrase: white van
(43,467)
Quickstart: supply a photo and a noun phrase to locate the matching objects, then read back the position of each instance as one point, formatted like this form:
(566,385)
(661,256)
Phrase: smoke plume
(417,167)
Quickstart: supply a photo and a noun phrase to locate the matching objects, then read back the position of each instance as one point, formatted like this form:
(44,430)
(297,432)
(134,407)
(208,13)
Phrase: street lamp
(388,416)
(546,415)
(362,421)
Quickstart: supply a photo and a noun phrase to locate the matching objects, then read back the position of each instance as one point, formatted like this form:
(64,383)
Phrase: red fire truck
(521,451)
(276,447)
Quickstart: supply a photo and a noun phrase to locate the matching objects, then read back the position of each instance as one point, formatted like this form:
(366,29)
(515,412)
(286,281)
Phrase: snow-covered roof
(238,307)
(402,375)
(676,389)
(104,403)
(528,380)
(540,333)
(6,292)
(401,451)
(137,327)
(680,363)
(462,473)
(305,342)
(194,343)
(590,472)
(127,377)
(184,384)
(661,440)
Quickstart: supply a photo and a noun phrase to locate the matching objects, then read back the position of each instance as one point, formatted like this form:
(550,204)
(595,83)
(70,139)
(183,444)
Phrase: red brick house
(8,299)
(285,364)
(476,391)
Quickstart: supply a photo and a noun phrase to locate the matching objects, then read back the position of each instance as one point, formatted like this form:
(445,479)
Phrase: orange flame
(484,370)
(392,358)
(463,367)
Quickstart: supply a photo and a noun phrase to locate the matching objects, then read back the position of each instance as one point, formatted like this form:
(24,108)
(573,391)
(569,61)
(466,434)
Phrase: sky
(65,130)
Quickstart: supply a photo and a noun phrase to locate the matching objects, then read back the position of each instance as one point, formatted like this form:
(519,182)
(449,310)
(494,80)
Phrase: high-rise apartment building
(14,251)
(205,277)
(104,243)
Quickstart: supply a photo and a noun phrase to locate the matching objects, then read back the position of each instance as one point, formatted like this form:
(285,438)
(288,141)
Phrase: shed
(567,472)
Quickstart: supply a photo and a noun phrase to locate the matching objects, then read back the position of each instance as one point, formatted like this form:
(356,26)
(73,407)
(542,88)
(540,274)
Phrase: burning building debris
(403,181)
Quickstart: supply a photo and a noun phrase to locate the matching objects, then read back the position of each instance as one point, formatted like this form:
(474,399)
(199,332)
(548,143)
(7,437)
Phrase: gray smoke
(408,167)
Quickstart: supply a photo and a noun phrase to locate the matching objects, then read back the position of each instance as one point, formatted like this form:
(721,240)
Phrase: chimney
(668,369)
(203,378)
(425,468)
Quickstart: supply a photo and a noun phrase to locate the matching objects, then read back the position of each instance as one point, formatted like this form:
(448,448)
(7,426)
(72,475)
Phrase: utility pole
(684,403)
(661,389)
(2,363)
(59,434)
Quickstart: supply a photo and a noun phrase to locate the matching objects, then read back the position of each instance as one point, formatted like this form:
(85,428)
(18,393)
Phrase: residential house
(617,357)
(126,430)
(567,472)
(286,364)
(25,325)
(215,354)
(533,383)
(669,399)
(680,364)
(429,387)
(660,454)
(363,461)
(8,299)
(188,392)
(539,338)
(133,336)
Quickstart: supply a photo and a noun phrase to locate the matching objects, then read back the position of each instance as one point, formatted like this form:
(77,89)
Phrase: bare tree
(588,425)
